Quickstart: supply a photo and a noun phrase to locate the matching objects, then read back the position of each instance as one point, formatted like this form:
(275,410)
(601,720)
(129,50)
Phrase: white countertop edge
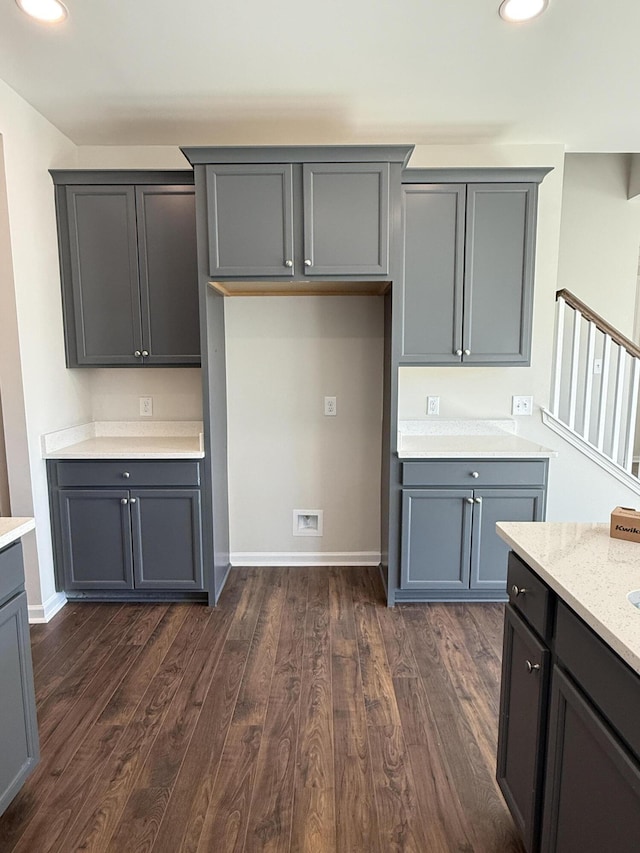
(52,444)
(478,454)
(98,454)
(13,528)
(603,630)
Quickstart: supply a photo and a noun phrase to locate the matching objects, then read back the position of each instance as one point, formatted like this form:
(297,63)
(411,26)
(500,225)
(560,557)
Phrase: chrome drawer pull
(532,667)
(518,591)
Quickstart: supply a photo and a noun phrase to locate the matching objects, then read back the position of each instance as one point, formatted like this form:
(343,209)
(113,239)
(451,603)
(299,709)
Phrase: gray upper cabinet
(129,268)
(469,251)
(250,216)
(346,218)
(298,220)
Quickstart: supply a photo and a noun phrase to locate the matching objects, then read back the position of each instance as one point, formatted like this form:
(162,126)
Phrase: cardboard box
(625,524)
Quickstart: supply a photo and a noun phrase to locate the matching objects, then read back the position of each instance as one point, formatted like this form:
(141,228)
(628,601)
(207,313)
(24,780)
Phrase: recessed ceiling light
(516,11)
(49,11)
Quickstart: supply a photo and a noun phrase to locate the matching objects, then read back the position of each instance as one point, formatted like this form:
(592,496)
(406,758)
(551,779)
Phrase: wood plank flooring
(299,715)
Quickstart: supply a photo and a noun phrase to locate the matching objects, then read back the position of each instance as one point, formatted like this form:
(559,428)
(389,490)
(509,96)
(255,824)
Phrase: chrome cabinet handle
(467,352)
(307,262)
(137,353)
(133,500)
(478,500)
(475,475)
(518,590)
(458,352)
(469,500)
(124,501)
(145,353)
(126,475)
(532,667)
(288,263)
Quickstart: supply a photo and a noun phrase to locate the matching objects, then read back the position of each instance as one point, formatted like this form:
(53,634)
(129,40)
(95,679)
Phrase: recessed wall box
(307,522)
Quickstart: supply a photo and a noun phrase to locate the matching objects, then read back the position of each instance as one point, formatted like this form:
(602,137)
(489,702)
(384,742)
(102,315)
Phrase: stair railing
(596,381)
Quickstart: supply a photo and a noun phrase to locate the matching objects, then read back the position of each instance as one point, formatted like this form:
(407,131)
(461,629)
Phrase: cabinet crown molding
(299,154)
(507,175)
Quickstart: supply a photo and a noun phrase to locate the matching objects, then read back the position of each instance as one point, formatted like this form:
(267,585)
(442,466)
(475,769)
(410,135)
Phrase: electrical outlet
(146,406)
(330,408)
(522,405)
(597,365)
(433,405)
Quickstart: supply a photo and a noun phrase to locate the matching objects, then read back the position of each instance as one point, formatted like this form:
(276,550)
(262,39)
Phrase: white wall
(578,489)
(600,236)
(284,355)
(39,394)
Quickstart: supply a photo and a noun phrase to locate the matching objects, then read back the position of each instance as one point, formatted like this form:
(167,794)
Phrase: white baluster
(604,389)
(557,379)
(617,409)
(633,411)
(588,384)
(575,363)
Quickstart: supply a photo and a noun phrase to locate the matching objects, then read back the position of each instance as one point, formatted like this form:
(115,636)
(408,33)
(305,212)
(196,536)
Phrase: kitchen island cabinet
(19,748)
(127,243)
(569,741)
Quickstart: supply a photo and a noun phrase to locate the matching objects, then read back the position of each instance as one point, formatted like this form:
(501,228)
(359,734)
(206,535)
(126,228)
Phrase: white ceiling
(291,71)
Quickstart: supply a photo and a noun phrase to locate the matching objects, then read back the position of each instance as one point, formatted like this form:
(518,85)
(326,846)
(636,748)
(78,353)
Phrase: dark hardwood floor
(299,715)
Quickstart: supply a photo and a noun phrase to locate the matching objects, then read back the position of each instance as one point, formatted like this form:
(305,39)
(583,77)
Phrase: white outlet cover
(521,405)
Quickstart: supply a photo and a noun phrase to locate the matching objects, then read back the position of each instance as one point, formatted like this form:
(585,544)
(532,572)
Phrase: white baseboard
(40,613)
(305,558)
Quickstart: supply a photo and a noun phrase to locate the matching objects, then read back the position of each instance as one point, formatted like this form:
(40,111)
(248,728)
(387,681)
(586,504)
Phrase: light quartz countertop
(590,571)
(126,440)
(464,438)
(12,529)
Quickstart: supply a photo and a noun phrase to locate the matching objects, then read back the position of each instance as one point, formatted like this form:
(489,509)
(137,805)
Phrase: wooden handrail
(599,322)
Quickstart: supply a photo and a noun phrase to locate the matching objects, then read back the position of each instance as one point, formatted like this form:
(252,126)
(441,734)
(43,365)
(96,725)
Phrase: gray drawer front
(532,598)
(11,571)
(604,677)
(141,473)
(460,473)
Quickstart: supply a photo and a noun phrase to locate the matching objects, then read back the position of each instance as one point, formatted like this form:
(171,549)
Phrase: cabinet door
(523,705)
(166,217)
(592,794)
(498,279)
(104,274)
(250,220)
(18,728)
(96,538)
(436,538)
(346,218)
(167,538)
(433,273)
(489,554)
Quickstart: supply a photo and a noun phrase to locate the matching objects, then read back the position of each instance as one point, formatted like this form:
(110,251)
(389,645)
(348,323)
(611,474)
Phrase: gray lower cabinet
(449,547)
(467,284)
(129,268)
(568,742)
(298,220)
(19,748)
(145,537)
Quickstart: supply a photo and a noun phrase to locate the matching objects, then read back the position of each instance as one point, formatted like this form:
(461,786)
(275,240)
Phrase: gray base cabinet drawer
(474,473)
(11,571)
(529,596)
(128,473)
